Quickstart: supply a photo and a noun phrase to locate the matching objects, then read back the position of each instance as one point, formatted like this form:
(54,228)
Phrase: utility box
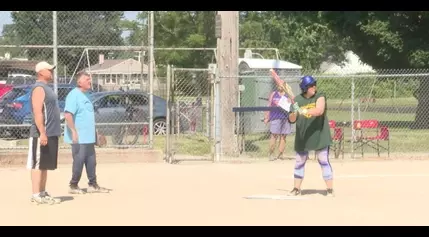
(256,85)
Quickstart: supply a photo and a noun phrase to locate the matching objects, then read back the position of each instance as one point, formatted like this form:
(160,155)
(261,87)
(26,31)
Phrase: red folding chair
(382,134)
(338,139)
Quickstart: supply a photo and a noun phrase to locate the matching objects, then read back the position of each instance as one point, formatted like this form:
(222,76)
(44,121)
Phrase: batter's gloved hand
(295,107)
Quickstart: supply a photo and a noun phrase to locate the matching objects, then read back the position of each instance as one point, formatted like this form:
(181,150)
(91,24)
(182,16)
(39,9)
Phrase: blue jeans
(83,155)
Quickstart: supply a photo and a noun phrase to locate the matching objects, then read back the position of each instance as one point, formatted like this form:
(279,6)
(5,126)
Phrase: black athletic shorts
(42,157)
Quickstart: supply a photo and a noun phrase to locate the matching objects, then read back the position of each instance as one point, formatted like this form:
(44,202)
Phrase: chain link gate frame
(190,118)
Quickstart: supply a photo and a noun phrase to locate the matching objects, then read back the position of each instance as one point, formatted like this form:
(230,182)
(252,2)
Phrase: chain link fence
(75,41)
(379,109)
(383,113)
(190,114)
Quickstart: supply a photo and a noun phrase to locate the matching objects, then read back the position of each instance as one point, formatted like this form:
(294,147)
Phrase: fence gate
(190,115)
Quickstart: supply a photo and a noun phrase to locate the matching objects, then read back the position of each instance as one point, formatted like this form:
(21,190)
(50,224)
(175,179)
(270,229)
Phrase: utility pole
(227,63)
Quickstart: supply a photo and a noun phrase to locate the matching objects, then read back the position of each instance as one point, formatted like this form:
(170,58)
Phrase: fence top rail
(425,74)
(121,47)
(112,47)
(191,69)
(345,76)
(88,47)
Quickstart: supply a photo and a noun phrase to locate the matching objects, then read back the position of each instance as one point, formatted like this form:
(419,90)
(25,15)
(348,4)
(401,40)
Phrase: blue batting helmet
(306,82)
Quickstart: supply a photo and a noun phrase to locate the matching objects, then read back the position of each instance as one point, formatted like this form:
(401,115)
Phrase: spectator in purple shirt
(279,124)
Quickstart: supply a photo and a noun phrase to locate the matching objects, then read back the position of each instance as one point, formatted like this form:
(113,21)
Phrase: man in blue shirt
(80,132)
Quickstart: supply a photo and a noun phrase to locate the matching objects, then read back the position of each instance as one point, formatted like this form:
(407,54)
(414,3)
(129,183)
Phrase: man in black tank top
(44,133)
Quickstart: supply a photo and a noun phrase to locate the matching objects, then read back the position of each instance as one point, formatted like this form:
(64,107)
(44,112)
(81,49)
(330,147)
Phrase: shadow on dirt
(309,191)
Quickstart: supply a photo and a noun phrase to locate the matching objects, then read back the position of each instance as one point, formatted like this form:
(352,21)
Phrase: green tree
(9,37)
(138,29)
(96,28)
(176,29)
(302,37)
(190,29)
(137,34)
(389,40)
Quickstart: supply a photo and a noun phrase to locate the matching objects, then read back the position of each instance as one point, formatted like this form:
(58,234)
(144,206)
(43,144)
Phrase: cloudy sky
(6,19)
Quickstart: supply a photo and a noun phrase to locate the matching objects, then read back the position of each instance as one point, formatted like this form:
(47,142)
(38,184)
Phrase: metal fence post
(218,134)
(151,68)
(55,50)
(212,114)
(352,114)
(167,136)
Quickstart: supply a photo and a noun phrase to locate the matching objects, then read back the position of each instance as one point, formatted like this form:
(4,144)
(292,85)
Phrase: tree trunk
(422,113)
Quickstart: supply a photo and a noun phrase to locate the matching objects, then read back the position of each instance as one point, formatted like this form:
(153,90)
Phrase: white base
(276,197)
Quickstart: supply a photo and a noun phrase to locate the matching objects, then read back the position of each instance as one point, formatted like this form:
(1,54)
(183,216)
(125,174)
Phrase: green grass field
(341,116)
(335,103)
(401,140)
(256,145)
(410,102)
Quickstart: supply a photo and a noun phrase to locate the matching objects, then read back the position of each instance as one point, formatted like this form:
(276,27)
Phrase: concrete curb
(19,158)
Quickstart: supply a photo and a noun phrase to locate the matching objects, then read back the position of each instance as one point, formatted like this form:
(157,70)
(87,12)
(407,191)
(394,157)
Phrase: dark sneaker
(295,192)
(74,189)
(96,189)
(330,192)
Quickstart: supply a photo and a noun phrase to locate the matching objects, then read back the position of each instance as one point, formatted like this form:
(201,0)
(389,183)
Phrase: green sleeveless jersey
(312,133)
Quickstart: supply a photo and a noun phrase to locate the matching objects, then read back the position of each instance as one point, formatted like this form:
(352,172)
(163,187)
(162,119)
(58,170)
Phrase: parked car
(18,79)
(4,88)
(113,106)
(15,107)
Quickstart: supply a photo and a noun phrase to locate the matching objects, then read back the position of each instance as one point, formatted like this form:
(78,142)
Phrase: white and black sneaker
(49,199)
(95,188)
(74,189)
(44,198)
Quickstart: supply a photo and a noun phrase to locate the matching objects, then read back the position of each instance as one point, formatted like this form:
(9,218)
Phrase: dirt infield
(367,193)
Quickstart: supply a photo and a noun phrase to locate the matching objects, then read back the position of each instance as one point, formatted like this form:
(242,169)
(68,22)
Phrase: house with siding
(117,72)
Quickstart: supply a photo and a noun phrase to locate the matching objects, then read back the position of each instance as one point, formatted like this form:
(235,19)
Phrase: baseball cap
(44,65)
